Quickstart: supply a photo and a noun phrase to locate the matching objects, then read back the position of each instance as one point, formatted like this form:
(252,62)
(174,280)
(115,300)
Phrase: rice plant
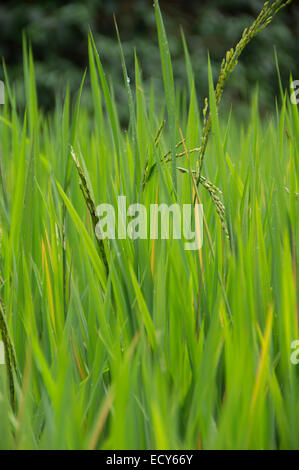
(140,344)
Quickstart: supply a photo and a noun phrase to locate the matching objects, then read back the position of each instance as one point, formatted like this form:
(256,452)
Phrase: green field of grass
(140,344)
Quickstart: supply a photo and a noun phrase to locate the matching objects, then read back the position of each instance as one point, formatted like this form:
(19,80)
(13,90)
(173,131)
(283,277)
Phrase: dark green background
(58,32)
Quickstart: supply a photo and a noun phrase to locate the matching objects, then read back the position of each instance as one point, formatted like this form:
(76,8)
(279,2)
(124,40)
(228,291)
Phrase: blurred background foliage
(58,33)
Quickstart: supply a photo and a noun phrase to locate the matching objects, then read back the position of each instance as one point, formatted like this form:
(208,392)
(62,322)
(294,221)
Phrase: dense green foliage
(58,32)
(174,349)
